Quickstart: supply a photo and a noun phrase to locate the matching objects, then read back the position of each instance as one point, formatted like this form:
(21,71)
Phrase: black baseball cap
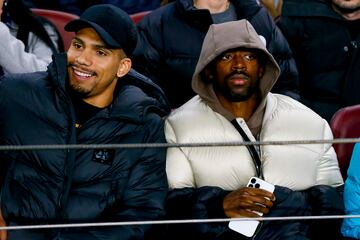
(113,25)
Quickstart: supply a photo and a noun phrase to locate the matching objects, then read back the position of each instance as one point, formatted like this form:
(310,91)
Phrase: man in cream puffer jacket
(233,79)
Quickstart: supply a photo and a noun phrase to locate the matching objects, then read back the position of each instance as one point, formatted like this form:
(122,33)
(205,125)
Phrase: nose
(84,58)
(238,63)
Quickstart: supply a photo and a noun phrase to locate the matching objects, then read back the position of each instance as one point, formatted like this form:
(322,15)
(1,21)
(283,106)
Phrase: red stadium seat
(345,124)
(59,19)
(136,17)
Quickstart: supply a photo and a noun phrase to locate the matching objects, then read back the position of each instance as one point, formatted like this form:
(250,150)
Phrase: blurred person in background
(274,7)
(171,38)
(27,41)
(78,6)
(324,36)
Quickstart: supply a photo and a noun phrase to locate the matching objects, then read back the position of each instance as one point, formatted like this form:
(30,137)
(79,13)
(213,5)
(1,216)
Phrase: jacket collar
(309,8)
(202,17)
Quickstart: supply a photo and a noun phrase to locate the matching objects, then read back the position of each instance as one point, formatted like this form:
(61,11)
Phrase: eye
(76,45)
(227,57)
(101,53)
(250,57)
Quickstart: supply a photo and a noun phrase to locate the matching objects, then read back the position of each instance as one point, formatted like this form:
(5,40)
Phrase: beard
(232,96)
(236,97)
(345,7)
(79,90)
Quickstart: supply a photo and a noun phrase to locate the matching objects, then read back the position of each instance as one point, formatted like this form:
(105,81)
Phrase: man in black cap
(88,96)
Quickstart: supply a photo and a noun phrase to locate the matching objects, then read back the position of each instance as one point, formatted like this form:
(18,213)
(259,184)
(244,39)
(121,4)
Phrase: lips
(238,79)
(82,74)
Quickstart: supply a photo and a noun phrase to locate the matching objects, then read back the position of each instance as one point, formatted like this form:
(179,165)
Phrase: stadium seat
(345,124)
(59,19)
(136,17)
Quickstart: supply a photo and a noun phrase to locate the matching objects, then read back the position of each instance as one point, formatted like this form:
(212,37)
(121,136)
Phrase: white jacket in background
(14,58)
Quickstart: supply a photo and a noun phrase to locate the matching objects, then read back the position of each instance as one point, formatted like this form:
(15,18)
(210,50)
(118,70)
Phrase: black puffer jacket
(172,37)
(84,185)
(326,48)
(206,203)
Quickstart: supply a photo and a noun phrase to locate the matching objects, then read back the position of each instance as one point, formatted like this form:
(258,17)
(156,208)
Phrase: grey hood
(223,37)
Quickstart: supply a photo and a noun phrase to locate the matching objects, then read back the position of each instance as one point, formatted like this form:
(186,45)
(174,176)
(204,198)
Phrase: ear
(124,67)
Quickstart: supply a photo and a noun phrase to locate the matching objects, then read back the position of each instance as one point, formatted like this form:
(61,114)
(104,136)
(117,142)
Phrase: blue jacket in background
(351,226)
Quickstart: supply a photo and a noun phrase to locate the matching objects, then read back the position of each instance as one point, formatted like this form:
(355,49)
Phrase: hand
(275,11)
(1,6)
(243,202)
(3,233)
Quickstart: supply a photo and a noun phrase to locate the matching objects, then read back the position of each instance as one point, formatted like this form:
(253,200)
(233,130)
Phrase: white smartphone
(248,228)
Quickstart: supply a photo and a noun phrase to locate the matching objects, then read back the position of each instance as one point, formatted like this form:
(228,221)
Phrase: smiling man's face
(93,68)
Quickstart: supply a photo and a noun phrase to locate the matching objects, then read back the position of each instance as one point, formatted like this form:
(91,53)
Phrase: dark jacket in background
(78,6)
(81,185)
(206,203)
(172,37)
(134,6)
(326,52)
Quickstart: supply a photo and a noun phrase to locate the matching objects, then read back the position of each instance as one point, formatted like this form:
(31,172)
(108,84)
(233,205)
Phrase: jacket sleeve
(328,167)
(186,201)
(326,201)
(318,200)
(178,169)
(144,196)
(277,45)
(14,58)
(288,82)
(196,203)
(146,57)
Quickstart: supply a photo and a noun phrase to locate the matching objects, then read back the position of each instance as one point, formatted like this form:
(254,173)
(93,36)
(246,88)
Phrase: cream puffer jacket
(297,167)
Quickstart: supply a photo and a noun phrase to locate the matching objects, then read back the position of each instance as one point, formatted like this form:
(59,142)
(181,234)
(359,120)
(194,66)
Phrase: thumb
(3,233)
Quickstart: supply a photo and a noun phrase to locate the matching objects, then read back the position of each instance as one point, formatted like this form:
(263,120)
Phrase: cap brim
(78,24)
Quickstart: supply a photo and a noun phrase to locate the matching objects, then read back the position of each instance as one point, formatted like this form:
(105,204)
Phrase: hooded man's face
(236,74)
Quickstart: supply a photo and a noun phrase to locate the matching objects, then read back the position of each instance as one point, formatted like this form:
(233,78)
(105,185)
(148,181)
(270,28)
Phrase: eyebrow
(96,46)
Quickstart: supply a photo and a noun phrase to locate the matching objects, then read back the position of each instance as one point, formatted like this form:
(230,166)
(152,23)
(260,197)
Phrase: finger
(250,200)
(259,192)
(3,234)
(260,208)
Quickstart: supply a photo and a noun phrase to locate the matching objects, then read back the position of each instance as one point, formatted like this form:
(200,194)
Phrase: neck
(348,15)
(243,109)
(214,6)
(104,98)
(99,102)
